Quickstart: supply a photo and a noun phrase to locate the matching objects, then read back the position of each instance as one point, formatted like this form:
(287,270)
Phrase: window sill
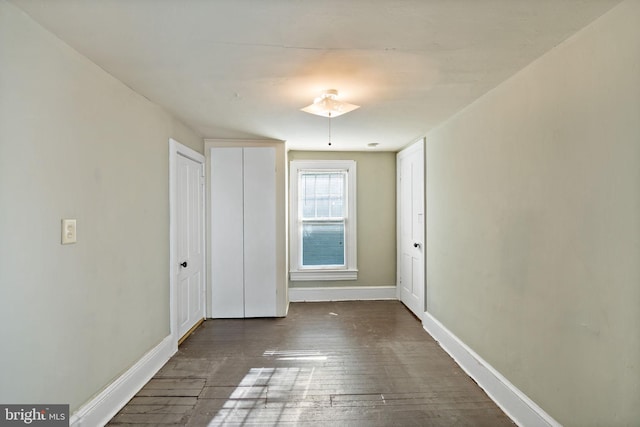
(313,275)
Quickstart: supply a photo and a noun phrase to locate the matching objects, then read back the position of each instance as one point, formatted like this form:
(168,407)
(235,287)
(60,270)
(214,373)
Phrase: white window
(323,220)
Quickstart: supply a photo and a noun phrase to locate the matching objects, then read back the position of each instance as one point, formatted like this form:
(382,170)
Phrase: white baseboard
(99,410)
(520,408)
(351,293)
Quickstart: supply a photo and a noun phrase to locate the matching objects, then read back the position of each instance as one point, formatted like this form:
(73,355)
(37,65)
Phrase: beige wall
(76,143)
(376,208)
(533,225)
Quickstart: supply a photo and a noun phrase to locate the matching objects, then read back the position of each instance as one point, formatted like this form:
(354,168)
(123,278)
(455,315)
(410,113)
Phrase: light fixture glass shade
(327,105)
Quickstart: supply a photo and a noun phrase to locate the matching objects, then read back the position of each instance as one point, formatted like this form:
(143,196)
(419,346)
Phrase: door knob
(184,264)
(416,245)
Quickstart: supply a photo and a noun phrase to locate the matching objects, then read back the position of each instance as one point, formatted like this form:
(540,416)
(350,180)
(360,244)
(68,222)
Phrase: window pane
(308,196)
(323,244)
(322,194)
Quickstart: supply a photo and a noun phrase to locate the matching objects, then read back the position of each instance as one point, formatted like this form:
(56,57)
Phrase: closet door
(259,232)
(227,229)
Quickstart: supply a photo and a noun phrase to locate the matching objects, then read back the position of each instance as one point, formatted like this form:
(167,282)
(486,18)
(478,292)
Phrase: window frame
(349,271)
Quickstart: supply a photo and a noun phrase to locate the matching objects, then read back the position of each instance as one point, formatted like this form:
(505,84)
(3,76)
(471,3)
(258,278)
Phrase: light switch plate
(68,231)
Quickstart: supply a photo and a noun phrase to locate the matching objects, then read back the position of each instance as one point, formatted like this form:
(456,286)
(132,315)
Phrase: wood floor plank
(156,409)
(162,400)
(367,363)
(150,419)
(178,392)
(234,392)
(168,383)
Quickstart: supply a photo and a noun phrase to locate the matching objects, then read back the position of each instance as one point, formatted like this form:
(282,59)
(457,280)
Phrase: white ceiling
(244,68)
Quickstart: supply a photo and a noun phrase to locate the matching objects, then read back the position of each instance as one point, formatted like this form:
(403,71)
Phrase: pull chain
(329,128)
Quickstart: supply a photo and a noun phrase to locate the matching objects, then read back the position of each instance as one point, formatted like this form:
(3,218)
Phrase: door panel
(190,199)
(227,230)
(259,232)
(411,227)
(183,305)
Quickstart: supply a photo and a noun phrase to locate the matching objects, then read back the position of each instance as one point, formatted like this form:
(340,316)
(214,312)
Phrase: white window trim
(350,270)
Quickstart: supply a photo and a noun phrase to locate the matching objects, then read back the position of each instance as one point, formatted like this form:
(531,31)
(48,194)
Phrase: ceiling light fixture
(328,105)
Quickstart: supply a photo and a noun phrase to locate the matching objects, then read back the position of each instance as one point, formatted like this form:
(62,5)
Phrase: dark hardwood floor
(366,363)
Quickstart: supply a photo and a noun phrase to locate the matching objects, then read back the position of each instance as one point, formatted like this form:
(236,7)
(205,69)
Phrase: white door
(190,242)
(259,232)
(411,227)
(227,231)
